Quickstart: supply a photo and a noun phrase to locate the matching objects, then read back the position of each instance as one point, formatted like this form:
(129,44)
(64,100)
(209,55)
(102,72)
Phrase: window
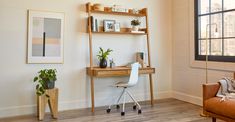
(215,25)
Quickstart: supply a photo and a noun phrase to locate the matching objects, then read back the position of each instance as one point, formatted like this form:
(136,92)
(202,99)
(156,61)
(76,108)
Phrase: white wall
(186,79)
(16,87)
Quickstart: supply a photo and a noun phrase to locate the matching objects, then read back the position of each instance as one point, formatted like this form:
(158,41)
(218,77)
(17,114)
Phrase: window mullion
(223,28)
(209,28)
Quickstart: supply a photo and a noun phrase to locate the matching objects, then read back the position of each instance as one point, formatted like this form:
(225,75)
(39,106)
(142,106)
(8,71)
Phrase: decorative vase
(135,28)
(112,65)
(103,63)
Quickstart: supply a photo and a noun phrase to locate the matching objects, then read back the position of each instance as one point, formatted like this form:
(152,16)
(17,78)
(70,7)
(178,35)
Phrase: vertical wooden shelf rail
(145,10)
(143,13)
(88,6)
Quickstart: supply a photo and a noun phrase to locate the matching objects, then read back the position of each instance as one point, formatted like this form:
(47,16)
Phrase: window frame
(196,24)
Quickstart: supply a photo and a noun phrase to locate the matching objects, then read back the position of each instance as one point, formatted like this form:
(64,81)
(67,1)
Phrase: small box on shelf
(98,7)
(107,9)
(137,31)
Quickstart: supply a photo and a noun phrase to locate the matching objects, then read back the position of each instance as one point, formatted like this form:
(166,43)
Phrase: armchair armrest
(210,90)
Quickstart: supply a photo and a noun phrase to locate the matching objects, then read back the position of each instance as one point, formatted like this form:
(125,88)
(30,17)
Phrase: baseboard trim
(187,98)
(163,95)
(79,104)
(75,104)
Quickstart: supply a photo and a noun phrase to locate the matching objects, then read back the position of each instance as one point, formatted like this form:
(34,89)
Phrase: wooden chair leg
(213,119)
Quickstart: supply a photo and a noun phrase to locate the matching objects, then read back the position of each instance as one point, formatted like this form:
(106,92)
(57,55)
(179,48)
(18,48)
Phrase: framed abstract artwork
(45,37)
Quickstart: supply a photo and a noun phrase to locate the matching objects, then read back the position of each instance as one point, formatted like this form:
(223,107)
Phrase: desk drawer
(111,73)
(147,71)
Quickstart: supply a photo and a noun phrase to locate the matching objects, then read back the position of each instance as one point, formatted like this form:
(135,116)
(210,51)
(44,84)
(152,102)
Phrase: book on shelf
(94,24)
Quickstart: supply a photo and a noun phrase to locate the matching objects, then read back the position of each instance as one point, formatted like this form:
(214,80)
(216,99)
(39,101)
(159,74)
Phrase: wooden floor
(167,110)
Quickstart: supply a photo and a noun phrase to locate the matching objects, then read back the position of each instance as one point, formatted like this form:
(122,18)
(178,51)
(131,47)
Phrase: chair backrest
(134,74)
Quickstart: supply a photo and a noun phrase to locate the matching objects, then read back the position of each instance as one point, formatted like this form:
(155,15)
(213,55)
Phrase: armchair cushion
(225,108)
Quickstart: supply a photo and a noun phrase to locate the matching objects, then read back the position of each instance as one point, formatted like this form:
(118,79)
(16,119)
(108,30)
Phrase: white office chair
(132,82)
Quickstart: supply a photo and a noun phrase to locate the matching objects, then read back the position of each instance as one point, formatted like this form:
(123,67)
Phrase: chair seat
(225,108)
(121,84)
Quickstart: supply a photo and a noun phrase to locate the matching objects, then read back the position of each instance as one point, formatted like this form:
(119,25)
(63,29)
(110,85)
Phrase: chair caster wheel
(108,110)
(122,113)
(139,111)
(134,107)
(117,106)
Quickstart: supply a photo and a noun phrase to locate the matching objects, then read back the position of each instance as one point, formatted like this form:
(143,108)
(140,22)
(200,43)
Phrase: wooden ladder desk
(117,71)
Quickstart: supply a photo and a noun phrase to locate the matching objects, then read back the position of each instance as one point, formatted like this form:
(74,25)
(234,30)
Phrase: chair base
(123,94)
(122,113)
(134,107)
(139,111)
(108,110)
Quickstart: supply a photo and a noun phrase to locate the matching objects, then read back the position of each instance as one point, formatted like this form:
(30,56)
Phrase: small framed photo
(109,25)
(117,27)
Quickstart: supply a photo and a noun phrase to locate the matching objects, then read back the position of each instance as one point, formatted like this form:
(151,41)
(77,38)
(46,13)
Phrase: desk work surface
(116,71)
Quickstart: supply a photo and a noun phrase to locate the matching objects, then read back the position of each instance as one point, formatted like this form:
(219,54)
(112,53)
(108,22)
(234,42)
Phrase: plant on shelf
(46,80)
(102,56)
(135,24)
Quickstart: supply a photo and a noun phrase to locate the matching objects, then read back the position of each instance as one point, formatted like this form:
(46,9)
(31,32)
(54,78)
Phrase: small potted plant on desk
(135,24)
(46,80)
(102,56)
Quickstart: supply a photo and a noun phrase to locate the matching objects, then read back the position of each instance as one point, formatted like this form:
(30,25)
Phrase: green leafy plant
(103,54)
(43,79)
(135,22)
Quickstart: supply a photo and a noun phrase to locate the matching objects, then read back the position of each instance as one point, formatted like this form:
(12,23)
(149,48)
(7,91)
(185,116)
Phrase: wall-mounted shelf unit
(119,71)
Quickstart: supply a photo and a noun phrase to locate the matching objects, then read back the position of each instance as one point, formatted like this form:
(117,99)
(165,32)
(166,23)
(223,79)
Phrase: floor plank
(166,110)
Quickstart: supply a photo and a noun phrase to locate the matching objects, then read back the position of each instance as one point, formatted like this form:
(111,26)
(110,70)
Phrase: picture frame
(109,25)
(45,37)
(117,27)
(140,58)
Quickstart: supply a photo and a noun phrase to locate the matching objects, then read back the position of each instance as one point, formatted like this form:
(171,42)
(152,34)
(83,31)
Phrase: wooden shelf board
(117,13)
(129,33)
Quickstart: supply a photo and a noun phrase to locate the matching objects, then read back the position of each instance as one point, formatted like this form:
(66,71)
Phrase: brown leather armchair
(213,107)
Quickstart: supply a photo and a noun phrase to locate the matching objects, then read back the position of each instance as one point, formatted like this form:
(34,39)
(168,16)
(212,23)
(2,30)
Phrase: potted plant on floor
(46,80)
(135,24)
(102,56)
